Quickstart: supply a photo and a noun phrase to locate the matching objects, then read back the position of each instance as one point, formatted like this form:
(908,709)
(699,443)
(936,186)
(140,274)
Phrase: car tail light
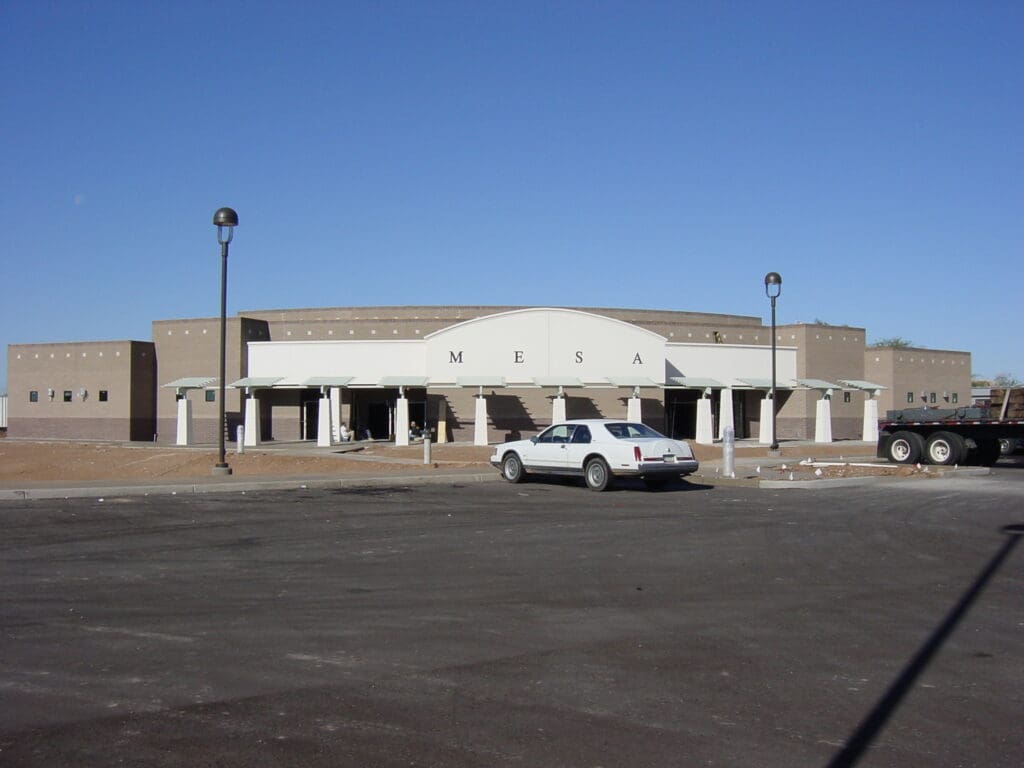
(636,453)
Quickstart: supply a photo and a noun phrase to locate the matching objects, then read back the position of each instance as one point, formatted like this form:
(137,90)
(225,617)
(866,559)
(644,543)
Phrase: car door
(578,448)
(548,452)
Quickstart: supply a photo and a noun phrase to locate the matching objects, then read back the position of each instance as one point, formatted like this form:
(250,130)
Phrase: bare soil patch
(22,462)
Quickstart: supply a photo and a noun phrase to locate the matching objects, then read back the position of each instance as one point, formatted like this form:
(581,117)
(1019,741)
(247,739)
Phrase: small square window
(103,395)
(67,395)
(33,396)
(211,395)
(956,398)
(931,398)
(846,397)
(910,397)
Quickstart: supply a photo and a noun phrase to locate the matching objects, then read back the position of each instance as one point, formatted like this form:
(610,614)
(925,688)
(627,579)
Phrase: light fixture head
(226,220)
(773,284)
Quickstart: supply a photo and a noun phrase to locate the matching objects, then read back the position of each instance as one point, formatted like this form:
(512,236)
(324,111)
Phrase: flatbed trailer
(947,436)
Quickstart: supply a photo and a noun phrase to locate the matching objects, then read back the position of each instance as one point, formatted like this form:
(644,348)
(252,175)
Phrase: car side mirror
(533,439)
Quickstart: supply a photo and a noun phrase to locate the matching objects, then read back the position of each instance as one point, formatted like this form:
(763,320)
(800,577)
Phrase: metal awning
(193,382)
(818,384)
(633,381)
(327,381)
(480,381)
(403,381)
(765,383)
(557,381)
(856,384)
(694,382)
(251,382)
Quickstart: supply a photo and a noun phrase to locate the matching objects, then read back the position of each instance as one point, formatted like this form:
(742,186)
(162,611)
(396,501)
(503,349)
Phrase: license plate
(670,458)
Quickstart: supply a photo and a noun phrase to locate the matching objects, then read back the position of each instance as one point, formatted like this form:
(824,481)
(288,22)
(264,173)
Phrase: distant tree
(896,342)
(977,380)
(819,321)
(1006,380)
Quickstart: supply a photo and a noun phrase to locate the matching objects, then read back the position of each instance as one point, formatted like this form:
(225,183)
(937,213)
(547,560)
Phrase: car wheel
(905,447)
(597,475)
(945,448)
(655,482)
(512,469)
(1007,446)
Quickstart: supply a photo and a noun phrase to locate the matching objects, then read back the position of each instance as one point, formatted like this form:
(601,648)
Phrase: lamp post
(773,287)
(226,220)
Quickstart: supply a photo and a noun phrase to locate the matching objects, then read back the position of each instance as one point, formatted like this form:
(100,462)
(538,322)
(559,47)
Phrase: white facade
(527,347)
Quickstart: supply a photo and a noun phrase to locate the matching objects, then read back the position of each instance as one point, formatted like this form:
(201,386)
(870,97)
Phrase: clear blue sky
(640,154)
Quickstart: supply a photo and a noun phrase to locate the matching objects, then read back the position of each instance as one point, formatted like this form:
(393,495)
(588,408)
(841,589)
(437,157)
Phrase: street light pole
(226,220)
(773,287)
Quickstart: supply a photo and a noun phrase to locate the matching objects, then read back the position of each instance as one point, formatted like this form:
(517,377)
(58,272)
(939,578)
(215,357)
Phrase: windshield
(627,430)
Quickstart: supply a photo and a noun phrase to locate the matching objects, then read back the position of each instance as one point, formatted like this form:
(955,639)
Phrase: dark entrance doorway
(681,412)
(373,411)
(309,412)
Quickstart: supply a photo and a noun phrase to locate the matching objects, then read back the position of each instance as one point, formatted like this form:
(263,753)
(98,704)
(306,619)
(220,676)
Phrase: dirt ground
(23,461)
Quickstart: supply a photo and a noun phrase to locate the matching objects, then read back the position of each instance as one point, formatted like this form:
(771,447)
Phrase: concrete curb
(846,482)
(243,486)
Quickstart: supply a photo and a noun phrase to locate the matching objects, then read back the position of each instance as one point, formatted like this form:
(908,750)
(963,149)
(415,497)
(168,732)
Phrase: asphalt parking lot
(498,625)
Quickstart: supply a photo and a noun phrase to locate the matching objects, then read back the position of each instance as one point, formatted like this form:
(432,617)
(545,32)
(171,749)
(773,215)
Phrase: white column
(442,421)
(725,413)
(184,422)
(252,420)
(705,431)
(558,410)
(402,421)
(823,420)
(336,414)
(480,427)
(323,425)
(766,437)
(870,428)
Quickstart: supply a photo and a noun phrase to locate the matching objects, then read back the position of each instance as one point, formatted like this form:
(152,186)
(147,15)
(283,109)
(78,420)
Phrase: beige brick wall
(124,370)
(942,376)
(191,348)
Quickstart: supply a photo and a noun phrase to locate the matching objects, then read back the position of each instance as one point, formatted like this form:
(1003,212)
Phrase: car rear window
(627,430)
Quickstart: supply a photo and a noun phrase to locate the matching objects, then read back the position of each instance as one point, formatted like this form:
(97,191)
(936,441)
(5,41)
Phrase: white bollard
(426,446)
(729,452)
(240,439)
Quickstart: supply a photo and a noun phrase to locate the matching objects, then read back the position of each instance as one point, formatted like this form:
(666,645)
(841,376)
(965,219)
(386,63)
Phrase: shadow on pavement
(872,725)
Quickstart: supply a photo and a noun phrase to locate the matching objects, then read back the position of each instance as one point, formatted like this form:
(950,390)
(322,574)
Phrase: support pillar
(823,419)
(725,413)
(633,407)
(184,432)
(442,420)
(323,426)
(252,421)
(705,430)
(558,408)
(480,425)
(870,427)
(402,419)
(765,437)
(336,414)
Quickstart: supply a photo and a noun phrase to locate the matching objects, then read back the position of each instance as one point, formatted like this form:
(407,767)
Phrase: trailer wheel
(945,448)
(905,447)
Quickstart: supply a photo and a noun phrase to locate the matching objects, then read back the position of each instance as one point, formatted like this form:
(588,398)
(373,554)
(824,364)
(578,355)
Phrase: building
(469,373)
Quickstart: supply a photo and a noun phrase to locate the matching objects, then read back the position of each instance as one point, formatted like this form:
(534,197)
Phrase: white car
(599,450)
